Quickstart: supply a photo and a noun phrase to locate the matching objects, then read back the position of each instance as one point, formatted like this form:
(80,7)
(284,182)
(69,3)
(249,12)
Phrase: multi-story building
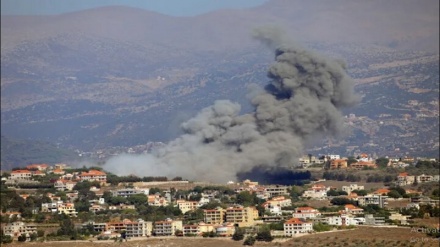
(378,200)
(276,190)
(214,216)
(306,213)
(157,200)
(338,164)
(275,204)
(296,226)
(93,175)
(126,192)
(405,179)
(139,228)
(167,227)
(317,191)
(50,207)
(344,220)
(225,230)
(351,188)
(241,216)
(67,209)
(186,206)
(98,227)
(362,164)
(197,229)
(352,209)
(39,167)
(16,229)
(21,175)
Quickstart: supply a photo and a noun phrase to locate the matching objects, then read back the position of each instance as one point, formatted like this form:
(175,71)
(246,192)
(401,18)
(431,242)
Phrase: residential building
(39,167)
(157,200)
(338,164)
(93,175)
(296,226)
(317,191)
(126,192)
(50,207)
(351,188)
(405,179)
(186,206)
(362,165)
(98,227)
(21,175)
(241,216)
(214,216)
(275,204)
(402,219)
(352,209)
(371,220)
(167,227)
(276,190)
(306,213)
(344,220)
(225,230)
(16,229)
(139,228)
(67,209)
(197,229)
(378,200)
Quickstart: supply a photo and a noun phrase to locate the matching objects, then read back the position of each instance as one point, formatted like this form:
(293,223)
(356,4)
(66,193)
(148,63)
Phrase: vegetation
(250,240)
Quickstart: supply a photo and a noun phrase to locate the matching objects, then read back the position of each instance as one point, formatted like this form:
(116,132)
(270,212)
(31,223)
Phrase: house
(96,208)
(67,209)
(344,220)
(375,199)
(186,206)
(214,216)
(16,229)
(38,173)
(225,230)
(362,165)
(382,191)
(306,213)
(275,204)
(317,191)
(296,226)
(351,188)
(39,167)
(405,179)
(241,216)
(157,200)
(338,164)
(276,190)
(138,228)
(58,172)
(93,175)
(98,227)
(21,175)
(424,178)
(126,192)
(167,227)
(197,229)
(352,209)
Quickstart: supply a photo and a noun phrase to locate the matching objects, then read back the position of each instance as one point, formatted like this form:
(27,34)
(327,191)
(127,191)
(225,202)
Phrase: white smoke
(302,101)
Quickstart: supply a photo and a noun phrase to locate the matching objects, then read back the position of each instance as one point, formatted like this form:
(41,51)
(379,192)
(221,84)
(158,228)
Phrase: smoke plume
(301,102)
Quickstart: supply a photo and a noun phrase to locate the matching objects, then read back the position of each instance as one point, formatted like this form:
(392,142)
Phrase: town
(42,202)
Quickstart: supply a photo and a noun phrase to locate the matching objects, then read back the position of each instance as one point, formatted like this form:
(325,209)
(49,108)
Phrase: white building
(126,192)
(21,175)
(139,228)
(317,191)
(167,227)
(295,226)
(306,213)
(352,187)
(16,229)
(186,206)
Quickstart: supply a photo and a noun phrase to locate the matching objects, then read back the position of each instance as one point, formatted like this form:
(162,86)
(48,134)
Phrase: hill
(19,153)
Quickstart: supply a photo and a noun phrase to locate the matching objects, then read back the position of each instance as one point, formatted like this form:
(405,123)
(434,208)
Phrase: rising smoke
(302,102)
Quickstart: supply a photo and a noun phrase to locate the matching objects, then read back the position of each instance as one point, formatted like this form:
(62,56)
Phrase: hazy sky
(168,7)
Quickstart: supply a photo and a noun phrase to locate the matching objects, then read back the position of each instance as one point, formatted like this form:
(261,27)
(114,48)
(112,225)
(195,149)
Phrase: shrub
(250,240)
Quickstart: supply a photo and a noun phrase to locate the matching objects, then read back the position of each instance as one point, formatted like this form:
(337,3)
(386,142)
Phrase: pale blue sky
(168,7)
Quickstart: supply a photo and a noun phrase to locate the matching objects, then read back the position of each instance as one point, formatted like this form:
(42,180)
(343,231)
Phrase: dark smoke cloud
(302,102)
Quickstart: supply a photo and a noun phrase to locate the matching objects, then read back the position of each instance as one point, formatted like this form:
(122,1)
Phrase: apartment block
(214,216)
(167,227)
(241,216)
(296,226)
(16,229)
(186,206)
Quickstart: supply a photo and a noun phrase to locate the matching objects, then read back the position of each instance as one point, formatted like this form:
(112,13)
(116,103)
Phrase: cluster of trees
(263,235)
(377,178)
(336,193)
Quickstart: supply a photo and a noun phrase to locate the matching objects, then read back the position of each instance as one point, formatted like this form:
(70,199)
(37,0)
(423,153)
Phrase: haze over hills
(120,76)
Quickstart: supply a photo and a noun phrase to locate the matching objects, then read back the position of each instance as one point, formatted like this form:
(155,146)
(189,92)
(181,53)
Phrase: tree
(341,201)
(250,240)
(33,236)
(246,199)
(264,235)
(238,234)
(22,238)
(382,162)
(394,194)
(138,199)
